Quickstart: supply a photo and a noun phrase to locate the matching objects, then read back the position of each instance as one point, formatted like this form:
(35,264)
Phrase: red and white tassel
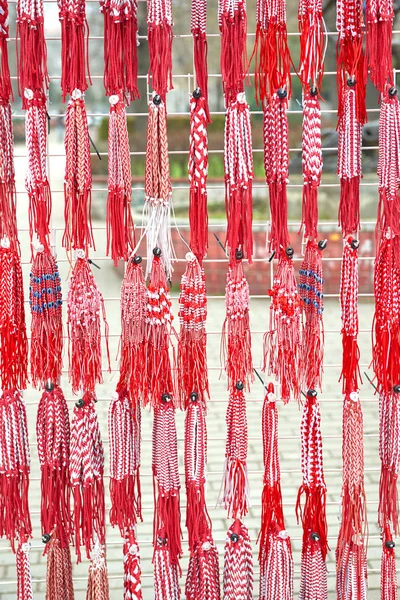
(275,554)
(132,571)
(276,165)
(238,564)
(166,575)
(74,46)
(192,346)
(124,438)
(282,343)
(85,309)
(46,325)
(271,50)
(53,440)
(389,454)
(203,572)
(13,338)
(379,17)
(312,297)
(350,376)
(389,588)
(198,170)
(389,162)
(98,588)
(133,331)
(312,42)
(232,21)
(349,162)
(78,176)
(157,365)
(311,162)
(158,188)
(314,582)
(351,561)
(236,335)
(120,47)
(238,162)
(119,222)
(198,24)
(160,36)
(24,575)
(59,584)
(86,476)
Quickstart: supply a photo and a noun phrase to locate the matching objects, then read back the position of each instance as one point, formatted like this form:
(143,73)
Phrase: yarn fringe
(8,197)
(312,43)
(200,52)
(74,47)
(31,50)
(232,19)
(379,49)
(160,36)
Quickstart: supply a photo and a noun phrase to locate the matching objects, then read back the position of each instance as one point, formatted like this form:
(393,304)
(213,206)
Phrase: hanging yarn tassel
(232,21)
(312,42)
(74,46)
(15,519)
(24,575)
(379,17)
(198,170)
(312,297)
(271,50)
(198,24)
(132,571)
(160,36)
(133,331)
(282,343)
(238,161)
(120,47)
(389,454)
(124,438)
(236,335)
(157,365)
(86,475)
(314,582)
(276,165)
(192,346)
(238,564)
(78,176)
(119,222)
(311,162)
(351,562)
(97,588)
(389,589)
(166,528)
(53,439)
(275,555)
(85,306)
(203,572)
(158,189)
(59,584)
(350,375)
(46,325)
(349,161)
(389,162)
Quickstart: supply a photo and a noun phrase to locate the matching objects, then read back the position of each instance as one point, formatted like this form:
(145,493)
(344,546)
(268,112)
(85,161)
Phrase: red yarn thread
(379,17)
(232,21)
(198,25)
(160,36)
(311,69)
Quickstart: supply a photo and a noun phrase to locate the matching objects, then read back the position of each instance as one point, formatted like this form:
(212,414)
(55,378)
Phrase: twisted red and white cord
(192,345)
(379,17)
(78,177)
(98,588)
(198,24)
(232,21)
(24,575)
(133,331)
(239,173)
(311,27)
(132,570)
(311,162)
(74,46)
(389,454)
(203,572)
(271,50)
(236,335)
(282,343)
(350,375)
(85,308)
(238,576)
(46,323)
(59,584)
(124,438)
(53,441)
(389,587)
(86,476)
(198,170)
(166,574)
(276,165)
(158,188)
(119,222)
(389,162)
(160,36)
(120,47)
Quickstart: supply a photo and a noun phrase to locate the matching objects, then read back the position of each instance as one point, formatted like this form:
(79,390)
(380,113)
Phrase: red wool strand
(198,170)
(239,173)
(13,338)
(238,564)
(312,42)
(276,165)
(379,17)
(311,163)
(74,46)
(85,309)
(46,325)
(119,222)
(232,21)
(86,476)
(160,36)
(53,438)
(198,24)
(350,375)
(389,588)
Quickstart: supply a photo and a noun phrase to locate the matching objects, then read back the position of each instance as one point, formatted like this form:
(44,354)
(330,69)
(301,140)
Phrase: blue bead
(49,290)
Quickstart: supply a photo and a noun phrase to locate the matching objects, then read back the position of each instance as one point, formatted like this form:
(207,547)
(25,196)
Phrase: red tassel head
(74,46)
(311,42)
(232,21)
(350,376)
(238,563)
(379,17)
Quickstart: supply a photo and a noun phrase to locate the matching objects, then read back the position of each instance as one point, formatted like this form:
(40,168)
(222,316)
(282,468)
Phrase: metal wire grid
(289,416)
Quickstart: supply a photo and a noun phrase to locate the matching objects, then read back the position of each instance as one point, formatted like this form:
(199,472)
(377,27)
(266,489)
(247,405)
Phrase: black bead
(197,93)
(282,93)
(165,398)
(396,388)
(390,544)
(162,541)
(315,536)
(137,260)
(322,244)
(46,538)
(289,252)
(157,100)
(157,252)
(312,393)
(80,403)
(239,385)
(194,396)
(234,538)
(354,244)
(392,91)
(314,90)
(239,254)
(49,386)
(351,82)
